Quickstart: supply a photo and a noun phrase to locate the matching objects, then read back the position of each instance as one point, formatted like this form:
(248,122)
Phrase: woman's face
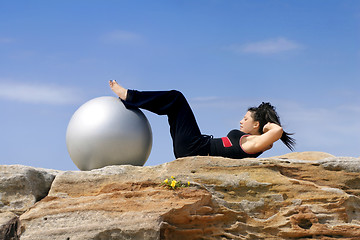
(248,125)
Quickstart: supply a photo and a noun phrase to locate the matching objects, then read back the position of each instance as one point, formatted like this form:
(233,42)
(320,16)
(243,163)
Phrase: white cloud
(6,40)
(266,47)
(38,93)
(205,99)
(223,103)
(120,36)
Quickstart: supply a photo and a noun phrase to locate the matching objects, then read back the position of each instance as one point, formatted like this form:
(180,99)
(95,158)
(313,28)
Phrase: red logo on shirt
(226,142)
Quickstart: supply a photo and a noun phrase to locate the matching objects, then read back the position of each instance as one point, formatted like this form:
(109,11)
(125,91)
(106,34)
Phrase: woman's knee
(176,93)
(179,96)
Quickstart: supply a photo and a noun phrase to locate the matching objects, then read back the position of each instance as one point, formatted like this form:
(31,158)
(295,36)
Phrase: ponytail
(288,141)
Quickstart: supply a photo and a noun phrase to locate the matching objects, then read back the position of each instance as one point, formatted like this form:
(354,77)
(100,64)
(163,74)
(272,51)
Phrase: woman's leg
(186,135)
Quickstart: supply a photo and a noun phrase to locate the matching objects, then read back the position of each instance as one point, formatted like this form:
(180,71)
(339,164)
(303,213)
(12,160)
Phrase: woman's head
(249,125)
(265,113)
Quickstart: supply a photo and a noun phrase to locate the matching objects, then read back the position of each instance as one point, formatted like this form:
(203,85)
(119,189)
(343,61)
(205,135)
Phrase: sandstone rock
(109,210)
(8,226)
(22,186)
(341,163)
(268,198)
(300,195)
(306,155)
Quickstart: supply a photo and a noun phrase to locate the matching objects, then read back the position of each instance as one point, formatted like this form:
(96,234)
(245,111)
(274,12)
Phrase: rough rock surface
(8,226)
(22,186)
(296,196)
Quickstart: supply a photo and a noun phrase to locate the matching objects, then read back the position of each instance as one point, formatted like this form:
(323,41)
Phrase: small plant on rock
(173,184)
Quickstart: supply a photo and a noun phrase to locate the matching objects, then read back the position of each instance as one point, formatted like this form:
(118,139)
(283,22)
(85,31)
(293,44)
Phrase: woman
(259,128)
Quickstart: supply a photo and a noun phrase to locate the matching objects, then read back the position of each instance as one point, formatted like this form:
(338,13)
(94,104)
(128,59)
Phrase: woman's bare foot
(118,90)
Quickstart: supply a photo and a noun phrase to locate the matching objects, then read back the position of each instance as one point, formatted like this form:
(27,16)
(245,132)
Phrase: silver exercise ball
(104,132)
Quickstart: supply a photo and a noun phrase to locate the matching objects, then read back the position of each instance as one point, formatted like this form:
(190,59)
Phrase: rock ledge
(295,196)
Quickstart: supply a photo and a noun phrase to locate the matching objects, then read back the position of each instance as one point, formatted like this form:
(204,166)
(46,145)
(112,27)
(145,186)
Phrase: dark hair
(265,113)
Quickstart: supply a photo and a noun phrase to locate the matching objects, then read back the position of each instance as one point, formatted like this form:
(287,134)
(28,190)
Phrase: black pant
(184,130)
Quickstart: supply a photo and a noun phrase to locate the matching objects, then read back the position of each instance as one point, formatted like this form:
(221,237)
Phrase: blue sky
(302,56)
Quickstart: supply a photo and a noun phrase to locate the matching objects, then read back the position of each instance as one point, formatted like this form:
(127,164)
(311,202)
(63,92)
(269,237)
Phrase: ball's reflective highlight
(104,132)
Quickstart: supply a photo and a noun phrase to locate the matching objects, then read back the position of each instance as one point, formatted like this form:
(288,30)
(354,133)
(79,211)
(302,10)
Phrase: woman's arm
(260,143)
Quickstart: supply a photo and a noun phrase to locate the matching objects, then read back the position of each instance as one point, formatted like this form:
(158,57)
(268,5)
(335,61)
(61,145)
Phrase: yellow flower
(173,184)
(166,181)
(188,183)
(172,177)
